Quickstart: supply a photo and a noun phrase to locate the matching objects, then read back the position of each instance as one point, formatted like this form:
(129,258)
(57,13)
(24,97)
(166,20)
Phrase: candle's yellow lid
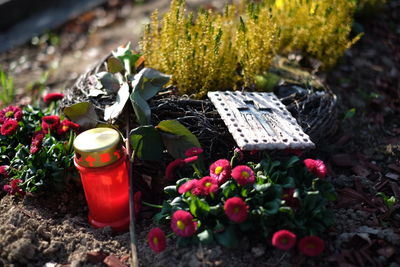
(98,147)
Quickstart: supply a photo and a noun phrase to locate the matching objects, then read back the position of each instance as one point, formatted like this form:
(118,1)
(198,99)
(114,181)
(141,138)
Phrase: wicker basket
(310,102)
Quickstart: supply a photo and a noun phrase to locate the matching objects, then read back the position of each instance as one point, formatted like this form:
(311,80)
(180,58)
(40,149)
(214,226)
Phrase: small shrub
(318,28)
(198,52)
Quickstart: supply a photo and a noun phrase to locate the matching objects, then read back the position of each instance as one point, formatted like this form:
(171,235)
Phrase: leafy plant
(256,200)
(36,148)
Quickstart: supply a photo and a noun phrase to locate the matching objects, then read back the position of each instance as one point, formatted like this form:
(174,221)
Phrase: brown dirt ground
(363,159)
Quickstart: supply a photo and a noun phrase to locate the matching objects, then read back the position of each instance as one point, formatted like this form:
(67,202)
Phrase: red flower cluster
(36,142)
(3,171)
(220,170)
(50,123)
(13,188)
(311,245)
(317,167)
(236,209)
(243,175)
(10,113)
(283,239)
(182,223)
(50,97)
(9,127)
(204,187)
(156,239)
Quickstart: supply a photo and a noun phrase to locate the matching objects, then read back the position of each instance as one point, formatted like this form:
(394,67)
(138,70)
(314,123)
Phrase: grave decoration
(101,161)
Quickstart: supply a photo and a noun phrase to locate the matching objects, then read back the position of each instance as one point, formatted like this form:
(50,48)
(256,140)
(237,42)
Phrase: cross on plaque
(258,121)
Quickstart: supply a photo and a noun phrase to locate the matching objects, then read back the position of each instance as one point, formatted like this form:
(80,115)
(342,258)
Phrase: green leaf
(147,143)
(272,207)
(206,237)
(177,138)
(114,65)
(165,211)
(228,237)
(83,114)
(229,189)
(125,55)
(350,114)
(112,112)
(216,210)
(199,208)
(292,161)
(149,82)
(171,190)
(108,81)
(141,108)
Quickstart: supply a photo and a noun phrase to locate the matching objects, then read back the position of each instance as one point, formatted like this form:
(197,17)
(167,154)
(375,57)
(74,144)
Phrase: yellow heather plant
(256,42)
(320,28)
(198,52)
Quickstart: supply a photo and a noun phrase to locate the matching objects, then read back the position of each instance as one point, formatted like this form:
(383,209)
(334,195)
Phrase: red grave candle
(102,164)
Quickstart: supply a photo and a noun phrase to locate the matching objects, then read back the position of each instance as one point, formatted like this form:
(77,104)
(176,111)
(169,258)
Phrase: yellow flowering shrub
(319,28)
(256,42)
(198,52)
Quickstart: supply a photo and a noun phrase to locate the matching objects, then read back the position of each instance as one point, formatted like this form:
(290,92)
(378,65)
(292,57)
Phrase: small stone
(392,176)
(258,251)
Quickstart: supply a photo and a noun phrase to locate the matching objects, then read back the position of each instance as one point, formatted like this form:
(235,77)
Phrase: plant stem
(197,171)
(151,205)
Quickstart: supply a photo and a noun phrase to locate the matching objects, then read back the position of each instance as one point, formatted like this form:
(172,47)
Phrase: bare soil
(363,159)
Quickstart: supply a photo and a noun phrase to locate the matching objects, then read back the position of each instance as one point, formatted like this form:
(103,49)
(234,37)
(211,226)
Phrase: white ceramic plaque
(259,121)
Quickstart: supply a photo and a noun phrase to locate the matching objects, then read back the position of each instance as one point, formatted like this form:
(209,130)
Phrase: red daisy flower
(290,200)
(317,167)
(50,97)
(189,185)
(13,188)
(9,127)
(182,223)
(36,142)
(50,122)
(157,240)
(236,209)
(243,175)
(194,151)
(284,239)
(191,159)
(169,171)
(137,199)
(10,113)
(65,126)
(220,170)
(208,185)
(311,245)
(3,171)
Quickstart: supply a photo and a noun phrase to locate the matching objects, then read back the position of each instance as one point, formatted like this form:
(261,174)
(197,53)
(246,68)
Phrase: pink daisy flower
(36,142)
(10,113)
(9,127)
(220,170)
(191,159)
(243,175)
(50,122)
(317,167)
(157,240)
(3,171)
(169,171)
(188,186)
(50,97)
(311,246)
(194,151)
(208,185)
(65,126)
(182,223)
(283,239)
(236,209)
(13,188)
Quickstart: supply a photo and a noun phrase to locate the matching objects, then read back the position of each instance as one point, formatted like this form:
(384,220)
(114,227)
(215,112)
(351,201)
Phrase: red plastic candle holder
(102,164)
